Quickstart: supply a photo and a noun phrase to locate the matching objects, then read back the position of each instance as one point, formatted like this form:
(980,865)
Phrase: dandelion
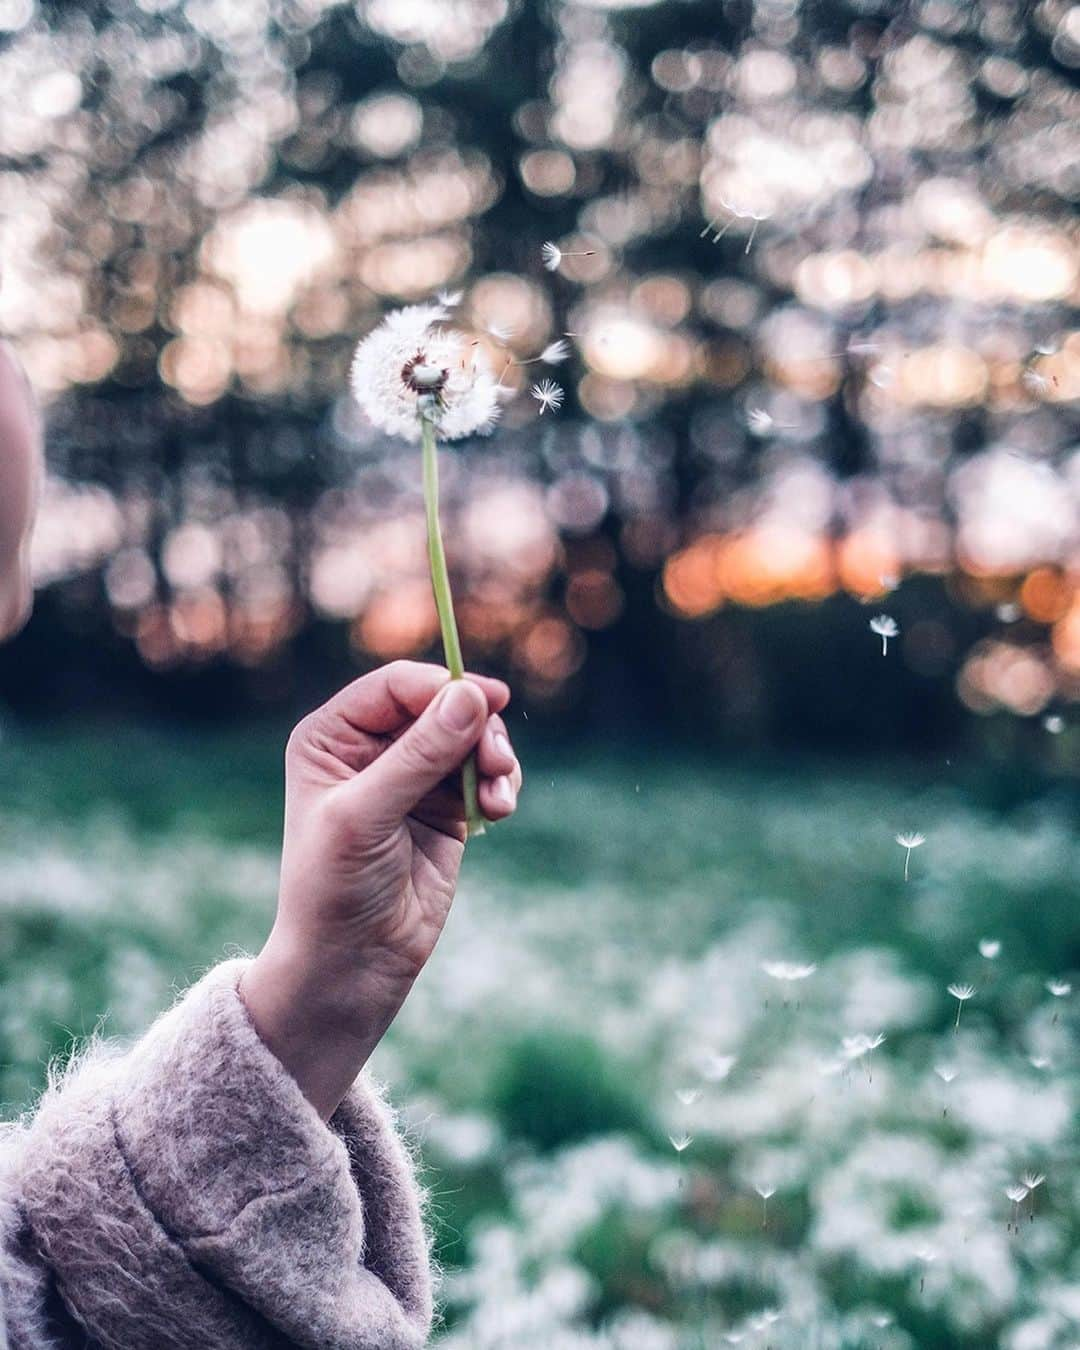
(1016,1194)
(549,395)
(766,1192)
(961,992)
(680,1142)
(1059,988)
(990,948)
(715,1068)
(787,971)
(885,627)
(553,255)
(410,378)
(688,1096)
(909,841)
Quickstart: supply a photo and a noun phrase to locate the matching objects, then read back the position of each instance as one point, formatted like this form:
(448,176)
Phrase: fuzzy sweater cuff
(187,1194)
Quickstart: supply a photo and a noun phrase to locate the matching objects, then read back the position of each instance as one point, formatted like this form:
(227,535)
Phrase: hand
(374,837)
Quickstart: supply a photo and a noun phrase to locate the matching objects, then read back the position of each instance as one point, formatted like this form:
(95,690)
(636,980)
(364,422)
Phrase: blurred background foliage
(825,355)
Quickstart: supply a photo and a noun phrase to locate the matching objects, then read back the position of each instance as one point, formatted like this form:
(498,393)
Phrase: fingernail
(502,791)
(458,709)
(502,743)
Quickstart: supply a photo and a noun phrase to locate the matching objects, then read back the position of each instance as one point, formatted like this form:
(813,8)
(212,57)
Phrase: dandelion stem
(444,604)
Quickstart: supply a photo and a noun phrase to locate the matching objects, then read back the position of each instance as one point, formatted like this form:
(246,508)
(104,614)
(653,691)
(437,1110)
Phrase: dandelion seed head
(787,971)
(884,626)
(549,395)
(962,992)
(990,948)
(911,840)
(410,367)
(1059,988)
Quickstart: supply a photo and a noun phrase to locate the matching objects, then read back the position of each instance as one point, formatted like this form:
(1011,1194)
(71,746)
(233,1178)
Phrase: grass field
(603,1078)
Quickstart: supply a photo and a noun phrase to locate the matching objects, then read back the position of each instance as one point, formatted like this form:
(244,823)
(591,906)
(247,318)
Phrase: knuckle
(421,754)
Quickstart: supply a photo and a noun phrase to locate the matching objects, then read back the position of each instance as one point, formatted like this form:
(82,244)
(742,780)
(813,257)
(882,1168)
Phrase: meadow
(685,1071)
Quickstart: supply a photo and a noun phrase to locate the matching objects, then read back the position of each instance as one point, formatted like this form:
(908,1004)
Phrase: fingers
(389,698)
(422,756)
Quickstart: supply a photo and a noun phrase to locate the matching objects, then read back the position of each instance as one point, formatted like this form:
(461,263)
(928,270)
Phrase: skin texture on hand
(374,837)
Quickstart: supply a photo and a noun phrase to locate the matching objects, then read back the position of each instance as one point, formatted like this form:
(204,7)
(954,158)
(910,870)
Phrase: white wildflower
(913,839)
(885,627)
(961,992)
(549,395)
(410,367)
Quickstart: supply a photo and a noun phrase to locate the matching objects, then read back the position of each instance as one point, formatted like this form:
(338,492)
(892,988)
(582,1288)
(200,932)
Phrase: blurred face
(20,481)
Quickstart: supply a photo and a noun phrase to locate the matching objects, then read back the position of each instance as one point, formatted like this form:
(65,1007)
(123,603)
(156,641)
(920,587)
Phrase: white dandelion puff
(990,948)
(549,395)
(410,367)
(787,971)
(913,839)
(553,255)
(961,992)
(885,627)
(688,1096)
(680,1142)
(1059,988)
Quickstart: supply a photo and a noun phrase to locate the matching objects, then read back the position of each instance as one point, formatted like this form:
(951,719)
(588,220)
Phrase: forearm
(321,1014)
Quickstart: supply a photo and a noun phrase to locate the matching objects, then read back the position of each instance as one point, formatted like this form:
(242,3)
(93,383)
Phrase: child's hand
(374,836)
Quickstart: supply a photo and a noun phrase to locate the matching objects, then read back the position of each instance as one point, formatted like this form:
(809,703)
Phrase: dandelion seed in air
(961,992)
(990,948)
(553,255)
(688,1096)
(947,1073)
(715,1068)
(913,839)
(1016,1194)
(1039,1062)
(885,627)
(501,332)
(1008,611)
(1032,1180)
(450,299)
(1054,724)
(680,1142)
(788,971)
(766,1192)
(549,395)
(1059,988)
(926,1256)
(552,355)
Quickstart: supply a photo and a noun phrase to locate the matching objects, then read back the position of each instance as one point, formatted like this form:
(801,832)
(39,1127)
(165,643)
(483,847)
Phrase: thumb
(434,746)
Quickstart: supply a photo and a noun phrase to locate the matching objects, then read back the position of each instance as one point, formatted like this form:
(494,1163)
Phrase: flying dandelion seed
(688,1096)
(1054,724)
(1039,1062)
(553,255)
(1016,1194)
(961,992)
(990,948)
(888,581)
(680,1142)
(787,971)
(552,355)
(501,332)
(1059,988)
(1032,1180)
(909,841)
(885,627)
(1008,611)
(946,1072)
(450,299)
(766,1192)
(715,1068)
(549,395)
(926,1256)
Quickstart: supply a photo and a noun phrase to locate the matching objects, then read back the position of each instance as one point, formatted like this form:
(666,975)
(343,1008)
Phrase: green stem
(444,604)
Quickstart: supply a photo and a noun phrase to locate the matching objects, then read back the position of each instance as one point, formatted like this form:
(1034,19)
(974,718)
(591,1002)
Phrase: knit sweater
(186,1196)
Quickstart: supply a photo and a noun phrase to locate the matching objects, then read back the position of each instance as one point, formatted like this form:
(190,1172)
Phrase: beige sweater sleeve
(186,1194)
